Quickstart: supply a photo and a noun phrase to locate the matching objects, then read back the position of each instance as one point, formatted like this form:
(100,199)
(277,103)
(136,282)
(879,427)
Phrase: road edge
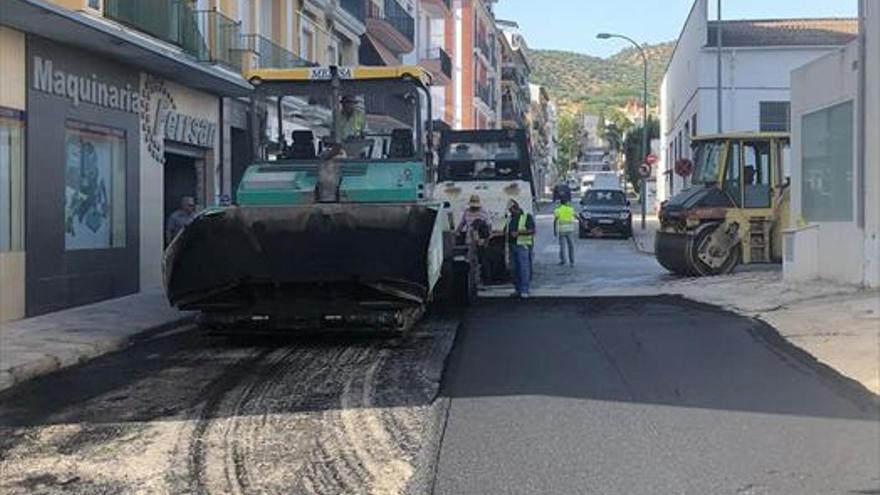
(50,363)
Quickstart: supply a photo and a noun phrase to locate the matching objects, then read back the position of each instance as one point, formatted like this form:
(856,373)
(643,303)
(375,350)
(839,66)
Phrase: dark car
(561,192)
(605,211)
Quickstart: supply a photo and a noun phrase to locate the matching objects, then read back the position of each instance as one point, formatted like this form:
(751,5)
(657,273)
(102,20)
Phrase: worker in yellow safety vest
(521,239)
(563,229)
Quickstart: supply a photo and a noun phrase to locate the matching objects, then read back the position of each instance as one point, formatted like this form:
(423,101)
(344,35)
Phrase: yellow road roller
(735,209)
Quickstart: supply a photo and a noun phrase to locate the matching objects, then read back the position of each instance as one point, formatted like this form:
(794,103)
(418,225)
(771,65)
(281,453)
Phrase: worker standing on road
(521,239)
(563,229)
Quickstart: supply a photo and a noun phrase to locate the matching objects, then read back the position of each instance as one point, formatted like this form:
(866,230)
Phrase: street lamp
(645,136)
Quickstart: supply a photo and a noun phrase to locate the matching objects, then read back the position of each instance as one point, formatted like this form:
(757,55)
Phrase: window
(11,181)
(775,116)
(732,176)
(94,4)
(307,39)
(827,163)
(694,125)
(94,192)
(756,175)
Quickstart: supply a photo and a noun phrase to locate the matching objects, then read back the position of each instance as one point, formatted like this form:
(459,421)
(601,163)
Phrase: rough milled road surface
(184,414)
(561,394)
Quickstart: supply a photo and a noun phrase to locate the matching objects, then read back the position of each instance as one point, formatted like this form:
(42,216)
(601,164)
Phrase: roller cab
(735,209)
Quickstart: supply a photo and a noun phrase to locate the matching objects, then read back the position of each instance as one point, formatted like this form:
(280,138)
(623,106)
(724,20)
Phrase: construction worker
(563,229)
(352,120)
(521,239)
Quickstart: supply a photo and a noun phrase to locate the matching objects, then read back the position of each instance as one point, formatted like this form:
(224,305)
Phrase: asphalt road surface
(645,396)
(554,395)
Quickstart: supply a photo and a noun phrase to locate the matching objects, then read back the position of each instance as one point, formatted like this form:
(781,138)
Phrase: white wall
(152,188)
(839,246)
(872,150)
(749,76)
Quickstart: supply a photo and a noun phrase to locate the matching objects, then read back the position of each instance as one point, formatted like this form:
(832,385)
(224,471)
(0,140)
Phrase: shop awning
(378,52)
(121,44)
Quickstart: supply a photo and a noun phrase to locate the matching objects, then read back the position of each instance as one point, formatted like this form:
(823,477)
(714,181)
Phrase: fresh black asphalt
(646,396)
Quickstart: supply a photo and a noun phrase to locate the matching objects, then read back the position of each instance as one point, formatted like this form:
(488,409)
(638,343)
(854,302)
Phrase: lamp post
(645,136)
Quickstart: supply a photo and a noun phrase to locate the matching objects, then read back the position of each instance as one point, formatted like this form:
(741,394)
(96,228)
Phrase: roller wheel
(725,262)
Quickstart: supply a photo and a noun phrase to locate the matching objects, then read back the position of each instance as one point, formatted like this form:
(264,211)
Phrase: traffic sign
(651,159)
(645,170)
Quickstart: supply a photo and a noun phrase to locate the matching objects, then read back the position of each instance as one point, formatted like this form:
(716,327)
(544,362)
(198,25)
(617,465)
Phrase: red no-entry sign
(651,159)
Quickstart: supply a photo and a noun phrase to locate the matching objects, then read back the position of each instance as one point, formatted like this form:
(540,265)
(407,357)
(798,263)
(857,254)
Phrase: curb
(81,353)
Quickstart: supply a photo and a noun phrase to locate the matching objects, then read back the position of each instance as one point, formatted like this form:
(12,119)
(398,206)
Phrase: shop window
(775,116)
(11,182)
(827,156)
(94,208)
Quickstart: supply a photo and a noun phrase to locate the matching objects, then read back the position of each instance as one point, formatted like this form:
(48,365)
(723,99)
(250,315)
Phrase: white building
(757,59)
(835,206)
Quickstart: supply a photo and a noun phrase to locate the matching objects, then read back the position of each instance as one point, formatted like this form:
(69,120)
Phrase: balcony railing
(444,58)
(222,37)
(173,21)
(270,55)
(357,8)
(395,15)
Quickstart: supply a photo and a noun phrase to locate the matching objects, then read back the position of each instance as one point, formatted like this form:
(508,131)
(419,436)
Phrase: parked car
(605,211)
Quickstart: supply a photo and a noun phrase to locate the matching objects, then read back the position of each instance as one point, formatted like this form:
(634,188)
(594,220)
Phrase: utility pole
(718,30)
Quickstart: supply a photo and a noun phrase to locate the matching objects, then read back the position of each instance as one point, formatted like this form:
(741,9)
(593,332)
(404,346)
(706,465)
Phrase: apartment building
(476,66)
(515,72)
(435,44)
(757,59)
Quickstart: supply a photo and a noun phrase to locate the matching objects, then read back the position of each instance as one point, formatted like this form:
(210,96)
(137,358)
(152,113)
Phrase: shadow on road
(649,350)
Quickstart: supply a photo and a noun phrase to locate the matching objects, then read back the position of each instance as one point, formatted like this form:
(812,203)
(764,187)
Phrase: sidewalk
(838,325)
(644,239)
(36,346)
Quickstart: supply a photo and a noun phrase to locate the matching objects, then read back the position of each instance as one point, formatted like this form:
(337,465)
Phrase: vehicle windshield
(482,161)
(707,162)
(604,198)
(376,119)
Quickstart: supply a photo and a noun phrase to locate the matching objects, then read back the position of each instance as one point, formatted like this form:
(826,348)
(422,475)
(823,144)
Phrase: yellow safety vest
(564,218)
(524,240)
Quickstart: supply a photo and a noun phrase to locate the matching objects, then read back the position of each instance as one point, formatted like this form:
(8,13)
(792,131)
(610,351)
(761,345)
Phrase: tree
(569,141)
(632,147)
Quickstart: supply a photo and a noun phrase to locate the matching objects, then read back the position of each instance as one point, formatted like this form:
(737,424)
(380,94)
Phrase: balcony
(438,8)
(393,25)
(265,54)
(172,21)
(439,63)
(222,38)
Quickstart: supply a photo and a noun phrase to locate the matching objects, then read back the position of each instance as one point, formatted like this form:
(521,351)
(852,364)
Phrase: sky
(572,24)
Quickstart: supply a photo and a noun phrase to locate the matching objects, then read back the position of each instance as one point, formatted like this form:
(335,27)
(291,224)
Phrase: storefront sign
(80,88)
(162,121)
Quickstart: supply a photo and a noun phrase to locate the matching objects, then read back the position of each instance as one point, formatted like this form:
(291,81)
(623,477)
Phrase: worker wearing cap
(352,120)
(521,238)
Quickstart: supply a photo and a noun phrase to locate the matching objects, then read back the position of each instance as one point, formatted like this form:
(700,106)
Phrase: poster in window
(93,167)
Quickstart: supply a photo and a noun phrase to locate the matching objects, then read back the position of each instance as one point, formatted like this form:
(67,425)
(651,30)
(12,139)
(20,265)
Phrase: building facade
(476,66)
(757,59)
(100,141)
(835,207)
(515,72)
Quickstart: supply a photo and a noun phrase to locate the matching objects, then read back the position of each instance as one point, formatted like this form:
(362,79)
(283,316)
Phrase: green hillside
(581,82)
